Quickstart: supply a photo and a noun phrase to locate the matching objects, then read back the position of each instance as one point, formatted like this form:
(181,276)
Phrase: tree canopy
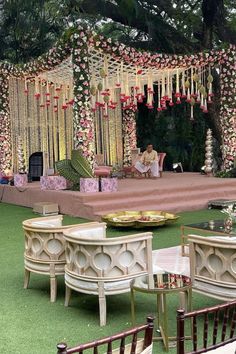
(29,27)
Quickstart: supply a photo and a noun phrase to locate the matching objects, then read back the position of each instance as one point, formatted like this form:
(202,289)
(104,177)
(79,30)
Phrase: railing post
(180,331)
(149,331)
(61,348)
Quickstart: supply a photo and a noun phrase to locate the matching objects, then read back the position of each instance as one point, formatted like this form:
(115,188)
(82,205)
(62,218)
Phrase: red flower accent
(177,94)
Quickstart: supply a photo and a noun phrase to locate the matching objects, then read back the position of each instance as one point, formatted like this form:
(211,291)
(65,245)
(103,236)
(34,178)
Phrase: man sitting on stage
(148,162)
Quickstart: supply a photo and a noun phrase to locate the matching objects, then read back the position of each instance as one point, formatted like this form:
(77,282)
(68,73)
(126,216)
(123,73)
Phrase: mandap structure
(84,92)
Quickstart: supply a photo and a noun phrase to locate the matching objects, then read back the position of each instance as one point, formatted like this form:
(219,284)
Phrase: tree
(28,28)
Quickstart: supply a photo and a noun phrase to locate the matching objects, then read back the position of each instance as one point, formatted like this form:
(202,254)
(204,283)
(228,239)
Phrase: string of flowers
(83,117)
(228,109)
(129,132)
(5,124)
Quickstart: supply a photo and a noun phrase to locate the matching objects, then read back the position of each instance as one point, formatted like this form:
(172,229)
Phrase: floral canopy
(92,78)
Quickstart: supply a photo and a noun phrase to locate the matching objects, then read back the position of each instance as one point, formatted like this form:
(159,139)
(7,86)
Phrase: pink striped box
(109,184)
(53,183)
(89,185)
(20,180)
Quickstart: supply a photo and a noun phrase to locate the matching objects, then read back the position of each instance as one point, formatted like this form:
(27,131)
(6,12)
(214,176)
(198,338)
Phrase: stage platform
(173,192)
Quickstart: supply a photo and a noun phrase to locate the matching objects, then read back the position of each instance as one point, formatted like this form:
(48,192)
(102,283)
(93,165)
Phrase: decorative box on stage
(109,184)
(46,208)
(20,180)
(53,182)
(89,185)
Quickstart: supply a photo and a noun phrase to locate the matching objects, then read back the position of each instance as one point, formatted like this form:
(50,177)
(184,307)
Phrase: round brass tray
(139,219)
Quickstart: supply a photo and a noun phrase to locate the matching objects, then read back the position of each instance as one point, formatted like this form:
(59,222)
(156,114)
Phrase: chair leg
(102,309)
(67,296)
(53,288)
(26,279)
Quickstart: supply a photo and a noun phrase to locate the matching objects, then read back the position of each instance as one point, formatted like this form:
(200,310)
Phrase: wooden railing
(147,330)
(217,331)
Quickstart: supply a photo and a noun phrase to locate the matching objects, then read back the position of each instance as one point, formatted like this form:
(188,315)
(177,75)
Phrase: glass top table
(161,282)
(161,285)
(212,227)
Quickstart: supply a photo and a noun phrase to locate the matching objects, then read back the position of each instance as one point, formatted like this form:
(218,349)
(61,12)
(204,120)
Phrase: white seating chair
(105,266)
(213,266)
(45,248)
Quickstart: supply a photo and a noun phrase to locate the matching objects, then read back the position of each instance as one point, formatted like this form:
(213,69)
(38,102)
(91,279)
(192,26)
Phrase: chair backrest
(212,265)
(135,156)
(44,238)
(99,159)
(161,156)
(36,166)
(217,329)
(137,346)
(107,259)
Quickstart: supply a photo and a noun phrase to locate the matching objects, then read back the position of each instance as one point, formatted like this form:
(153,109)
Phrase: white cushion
(226,349)
(43,224)
(94,233)
(223,238)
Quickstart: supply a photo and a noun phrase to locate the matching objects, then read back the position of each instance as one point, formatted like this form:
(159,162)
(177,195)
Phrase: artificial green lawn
(30,324)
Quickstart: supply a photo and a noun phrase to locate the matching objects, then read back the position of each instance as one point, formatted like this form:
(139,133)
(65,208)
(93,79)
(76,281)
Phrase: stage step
(173,192)
(173,201)
(135,201)
(154,190)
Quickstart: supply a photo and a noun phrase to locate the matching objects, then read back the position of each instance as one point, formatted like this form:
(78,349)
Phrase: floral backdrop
(83,116)
(129,133)
(78,42)
(228,109)
(5,124)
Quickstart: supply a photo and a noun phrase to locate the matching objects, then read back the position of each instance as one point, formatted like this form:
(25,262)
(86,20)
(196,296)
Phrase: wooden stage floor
(173,192)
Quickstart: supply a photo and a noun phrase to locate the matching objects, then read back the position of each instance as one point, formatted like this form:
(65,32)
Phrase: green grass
(30,324)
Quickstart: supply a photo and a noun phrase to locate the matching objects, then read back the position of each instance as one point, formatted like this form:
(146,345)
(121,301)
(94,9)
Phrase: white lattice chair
(45,247)
(213,266)
(105,266)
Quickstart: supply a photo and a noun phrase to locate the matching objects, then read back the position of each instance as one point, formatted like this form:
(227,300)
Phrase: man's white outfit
(148,161)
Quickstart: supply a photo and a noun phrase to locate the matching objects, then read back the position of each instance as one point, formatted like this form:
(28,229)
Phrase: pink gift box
(89,185)
(20,180)
(53,182)
(109,184)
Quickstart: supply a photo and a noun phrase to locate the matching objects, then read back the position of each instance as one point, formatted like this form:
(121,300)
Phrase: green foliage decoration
(80,164)
(65,169)
(75,168)
(226,174)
